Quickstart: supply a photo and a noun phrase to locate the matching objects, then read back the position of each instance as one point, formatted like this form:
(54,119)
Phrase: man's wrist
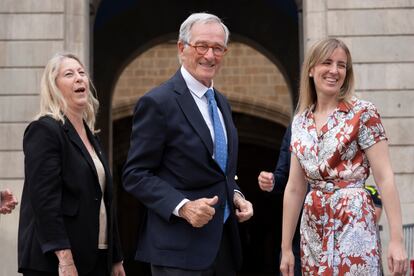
(238,192)
(176,210)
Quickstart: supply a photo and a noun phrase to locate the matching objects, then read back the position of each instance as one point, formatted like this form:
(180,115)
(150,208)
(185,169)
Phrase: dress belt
(330,186)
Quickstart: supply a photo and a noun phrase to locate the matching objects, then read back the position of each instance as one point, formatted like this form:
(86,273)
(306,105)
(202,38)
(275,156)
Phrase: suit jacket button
(96,199)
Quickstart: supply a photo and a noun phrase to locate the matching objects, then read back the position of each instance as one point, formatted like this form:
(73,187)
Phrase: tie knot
(210,94)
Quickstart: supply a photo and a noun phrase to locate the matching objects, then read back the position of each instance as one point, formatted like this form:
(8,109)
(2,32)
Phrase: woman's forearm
(391,203)
(292,204)
(65,257)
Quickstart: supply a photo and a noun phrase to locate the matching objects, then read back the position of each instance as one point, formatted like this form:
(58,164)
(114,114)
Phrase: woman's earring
(310,75)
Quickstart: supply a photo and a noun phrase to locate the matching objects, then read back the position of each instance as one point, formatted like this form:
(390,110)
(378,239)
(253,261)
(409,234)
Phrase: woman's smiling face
(73,82)
(329,75)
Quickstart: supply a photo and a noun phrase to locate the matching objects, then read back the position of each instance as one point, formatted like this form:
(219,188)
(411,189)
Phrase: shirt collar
(341,106)
(344,107)
(196,87)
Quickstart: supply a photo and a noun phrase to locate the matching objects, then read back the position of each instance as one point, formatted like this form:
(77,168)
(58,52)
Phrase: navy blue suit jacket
(170,159)
(281,176)
(281,173)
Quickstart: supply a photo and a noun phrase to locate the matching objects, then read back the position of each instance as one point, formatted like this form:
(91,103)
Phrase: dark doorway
(130,211)
(261,236)
(258,150)
(123,29)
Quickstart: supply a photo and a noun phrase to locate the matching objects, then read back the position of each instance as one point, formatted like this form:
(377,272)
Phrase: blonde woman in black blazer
(67,218)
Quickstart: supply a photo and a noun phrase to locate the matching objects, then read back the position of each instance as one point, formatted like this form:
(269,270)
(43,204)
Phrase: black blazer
(170,158)
(61,199)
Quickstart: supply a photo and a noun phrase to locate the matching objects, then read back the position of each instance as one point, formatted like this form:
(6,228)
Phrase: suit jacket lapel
(97,147)
(191,111)
(75,138)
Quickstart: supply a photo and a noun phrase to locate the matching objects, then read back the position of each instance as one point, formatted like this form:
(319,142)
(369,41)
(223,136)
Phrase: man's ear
(180,50)
(180,47)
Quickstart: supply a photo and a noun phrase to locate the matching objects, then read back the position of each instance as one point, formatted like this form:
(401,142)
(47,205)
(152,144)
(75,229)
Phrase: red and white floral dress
(338,231)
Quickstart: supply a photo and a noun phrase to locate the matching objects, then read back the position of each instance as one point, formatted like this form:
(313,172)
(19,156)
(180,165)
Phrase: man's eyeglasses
(202,49)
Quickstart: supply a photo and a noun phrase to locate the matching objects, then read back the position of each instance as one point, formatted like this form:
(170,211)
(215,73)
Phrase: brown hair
(319,52)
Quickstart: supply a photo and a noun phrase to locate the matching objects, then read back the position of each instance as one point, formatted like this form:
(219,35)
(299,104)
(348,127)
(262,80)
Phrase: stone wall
(380,35)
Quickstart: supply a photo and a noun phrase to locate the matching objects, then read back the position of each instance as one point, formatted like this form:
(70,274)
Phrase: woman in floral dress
(336,139)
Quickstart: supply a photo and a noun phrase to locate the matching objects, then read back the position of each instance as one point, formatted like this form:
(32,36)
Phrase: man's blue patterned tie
(220,144)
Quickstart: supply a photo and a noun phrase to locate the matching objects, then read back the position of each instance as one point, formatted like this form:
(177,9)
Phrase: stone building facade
(380,34)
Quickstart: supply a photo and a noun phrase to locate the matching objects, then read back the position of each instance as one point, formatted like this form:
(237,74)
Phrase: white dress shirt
(198,91)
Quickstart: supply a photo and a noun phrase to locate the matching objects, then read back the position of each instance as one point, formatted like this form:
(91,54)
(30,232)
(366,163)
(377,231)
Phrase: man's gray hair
(185,29)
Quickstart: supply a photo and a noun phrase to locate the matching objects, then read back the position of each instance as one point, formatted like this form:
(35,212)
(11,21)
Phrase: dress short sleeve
(296,122)
(371,130)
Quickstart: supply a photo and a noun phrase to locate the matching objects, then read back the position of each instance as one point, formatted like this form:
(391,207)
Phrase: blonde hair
(318,53)
(52,102)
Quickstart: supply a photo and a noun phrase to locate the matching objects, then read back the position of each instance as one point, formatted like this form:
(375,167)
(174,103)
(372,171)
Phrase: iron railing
(408,231)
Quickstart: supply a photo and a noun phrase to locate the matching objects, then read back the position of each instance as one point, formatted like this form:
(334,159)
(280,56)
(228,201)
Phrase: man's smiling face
(203,67)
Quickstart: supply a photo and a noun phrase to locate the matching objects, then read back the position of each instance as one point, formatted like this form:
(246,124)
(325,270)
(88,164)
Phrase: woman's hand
(7,202)
(118,269)
(397,258)
(287,264)
(68,269)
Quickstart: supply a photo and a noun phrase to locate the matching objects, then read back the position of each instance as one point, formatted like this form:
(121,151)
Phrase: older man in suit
(182,162)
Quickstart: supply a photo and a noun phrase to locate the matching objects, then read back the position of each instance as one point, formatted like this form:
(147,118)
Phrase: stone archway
(124,29)
(252,83)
